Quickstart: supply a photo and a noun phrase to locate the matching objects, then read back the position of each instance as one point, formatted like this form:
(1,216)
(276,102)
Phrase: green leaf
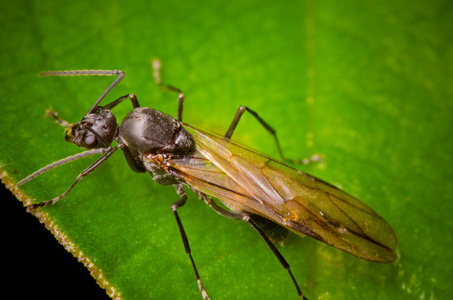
(365,85)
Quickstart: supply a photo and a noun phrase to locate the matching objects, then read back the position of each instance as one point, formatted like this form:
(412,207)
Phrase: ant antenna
(118,73)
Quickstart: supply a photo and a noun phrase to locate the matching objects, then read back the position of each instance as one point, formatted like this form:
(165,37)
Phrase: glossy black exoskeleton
(148,131)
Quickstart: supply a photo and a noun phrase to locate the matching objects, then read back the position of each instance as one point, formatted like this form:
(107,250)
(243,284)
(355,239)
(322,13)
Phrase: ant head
(97,129)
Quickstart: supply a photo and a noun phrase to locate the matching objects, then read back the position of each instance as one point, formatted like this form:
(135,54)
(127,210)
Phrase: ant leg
(85,173)
(246,218)
(131,97)
(271,130)
(156,64)
(185,241)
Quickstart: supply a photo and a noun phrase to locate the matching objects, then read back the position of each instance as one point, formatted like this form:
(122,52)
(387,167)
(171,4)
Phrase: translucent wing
(246,180)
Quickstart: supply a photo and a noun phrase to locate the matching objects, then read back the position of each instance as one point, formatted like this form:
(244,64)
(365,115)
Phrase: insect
(254,187)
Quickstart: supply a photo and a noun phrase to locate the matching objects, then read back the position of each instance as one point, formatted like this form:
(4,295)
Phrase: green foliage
(365,85)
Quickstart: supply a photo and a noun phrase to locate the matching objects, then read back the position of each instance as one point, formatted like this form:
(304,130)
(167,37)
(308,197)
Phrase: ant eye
(106,127)
(90,140)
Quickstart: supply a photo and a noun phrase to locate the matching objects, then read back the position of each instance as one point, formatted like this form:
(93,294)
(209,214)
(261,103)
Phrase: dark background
(21,234)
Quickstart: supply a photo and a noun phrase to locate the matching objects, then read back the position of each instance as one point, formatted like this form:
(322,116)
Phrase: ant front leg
(85,173)
(131,97)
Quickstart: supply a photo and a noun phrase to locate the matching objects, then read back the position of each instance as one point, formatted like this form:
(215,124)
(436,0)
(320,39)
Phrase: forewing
(332,216)
(253,182)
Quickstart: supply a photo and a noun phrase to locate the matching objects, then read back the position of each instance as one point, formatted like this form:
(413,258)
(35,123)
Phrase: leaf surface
(367,86)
